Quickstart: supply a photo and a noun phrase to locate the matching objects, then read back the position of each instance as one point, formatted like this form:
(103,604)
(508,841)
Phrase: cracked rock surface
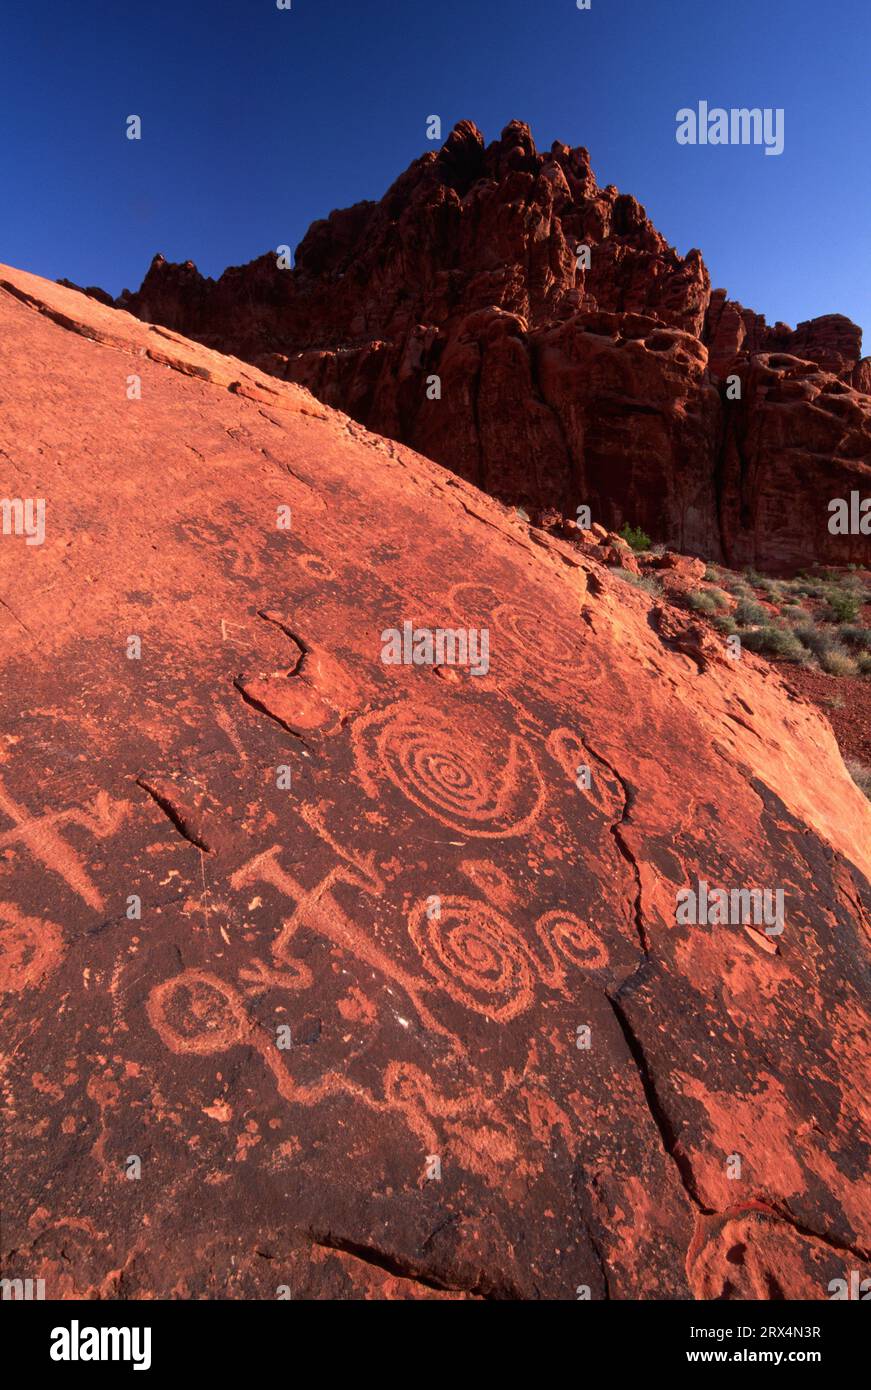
(335,977)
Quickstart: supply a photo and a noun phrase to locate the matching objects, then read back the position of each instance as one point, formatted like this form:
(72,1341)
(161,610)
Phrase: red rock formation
(510,1070)
(561,385)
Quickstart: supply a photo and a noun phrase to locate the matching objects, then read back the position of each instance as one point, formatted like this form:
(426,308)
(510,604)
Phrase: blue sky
(256,121)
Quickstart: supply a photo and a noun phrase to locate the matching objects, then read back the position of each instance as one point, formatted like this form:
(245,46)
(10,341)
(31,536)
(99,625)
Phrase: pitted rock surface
(406,1010)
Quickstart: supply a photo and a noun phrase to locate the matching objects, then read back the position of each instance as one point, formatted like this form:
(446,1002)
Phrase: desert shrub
(634,536)
(749,611)
(856,635)
(861,775)
(726,623)
(777,642)
(837,661)
(774,588)
(794,612)
(831,654)
(753,577)
(863,663)
(640,581)
(813,637)
(843,606)
(702,602)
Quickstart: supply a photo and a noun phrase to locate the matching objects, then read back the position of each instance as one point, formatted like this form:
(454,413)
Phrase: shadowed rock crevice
(180,819)
(403,1269)
(670,1142)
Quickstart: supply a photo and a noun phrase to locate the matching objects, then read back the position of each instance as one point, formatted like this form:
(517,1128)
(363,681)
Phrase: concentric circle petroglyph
(540,637)
(316,566)
(464,778)
(197,1012)
(476,955)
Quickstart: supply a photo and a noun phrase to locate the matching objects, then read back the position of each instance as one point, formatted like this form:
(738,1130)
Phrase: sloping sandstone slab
(328,977)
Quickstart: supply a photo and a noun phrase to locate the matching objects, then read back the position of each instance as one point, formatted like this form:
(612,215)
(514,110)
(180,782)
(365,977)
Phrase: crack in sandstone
(625,852)
(402,1269)
(579,1190)
(683,1164)
(657,1110)
(175,815)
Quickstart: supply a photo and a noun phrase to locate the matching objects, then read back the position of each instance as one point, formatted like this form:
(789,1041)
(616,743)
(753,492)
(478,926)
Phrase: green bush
(749,611)
(726,623)
(702,602)
(638,581)
(837,661)
(776,642)
(831,654)
(844,606)
(774,588)
(863,663)
(808,633)
(857,636)
(634,536)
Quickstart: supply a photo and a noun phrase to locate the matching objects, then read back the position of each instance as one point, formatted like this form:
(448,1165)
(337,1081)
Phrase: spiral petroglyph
(482,961)
(464,777)
(567,938)
(542,639)
(476,956)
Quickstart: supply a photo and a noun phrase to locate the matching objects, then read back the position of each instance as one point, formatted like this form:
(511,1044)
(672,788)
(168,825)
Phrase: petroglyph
(318,910)
(469,780)
(483,962)
(30,948)
(39,835)
(196,1013)
(540,636)
(476,956)
(486,1092)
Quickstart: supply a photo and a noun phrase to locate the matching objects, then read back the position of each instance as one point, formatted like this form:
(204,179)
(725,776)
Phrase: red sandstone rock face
(437,907)
(560,385)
